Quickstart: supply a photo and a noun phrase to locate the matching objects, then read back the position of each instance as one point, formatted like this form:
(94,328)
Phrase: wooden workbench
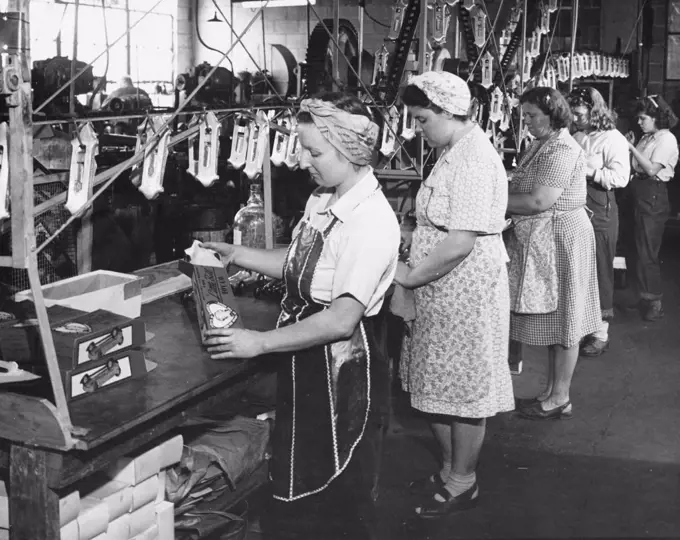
(120,419)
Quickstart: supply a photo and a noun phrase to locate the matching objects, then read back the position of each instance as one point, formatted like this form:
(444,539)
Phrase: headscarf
(353,135)
(445,90)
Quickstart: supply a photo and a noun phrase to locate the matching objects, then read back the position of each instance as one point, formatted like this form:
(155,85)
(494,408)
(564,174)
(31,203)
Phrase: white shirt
(662,148)
(360,254)
(607,155)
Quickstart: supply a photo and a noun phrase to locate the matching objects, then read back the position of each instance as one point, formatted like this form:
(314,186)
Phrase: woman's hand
(403,270)
(226,343)
(226,251)
(630,137)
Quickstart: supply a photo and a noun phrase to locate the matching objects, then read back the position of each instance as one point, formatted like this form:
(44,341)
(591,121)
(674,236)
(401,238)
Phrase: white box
(101,289)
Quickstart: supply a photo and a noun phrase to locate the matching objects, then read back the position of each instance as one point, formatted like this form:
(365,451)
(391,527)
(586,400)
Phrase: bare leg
(551,375)
(565,363)
(467,439)
(442,432)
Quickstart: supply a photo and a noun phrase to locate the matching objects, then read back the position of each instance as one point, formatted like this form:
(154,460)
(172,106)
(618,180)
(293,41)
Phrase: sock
(445,470)
(458,483)
(603,332)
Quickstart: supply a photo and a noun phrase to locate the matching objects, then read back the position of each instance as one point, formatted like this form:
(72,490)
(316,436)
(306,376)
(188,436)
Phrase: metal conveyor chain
(466,25)
(397,60)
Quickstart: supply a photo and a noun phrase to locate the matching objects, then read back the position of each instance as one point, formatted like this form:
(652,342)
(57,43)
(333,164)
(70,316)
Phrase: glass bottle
(249,221)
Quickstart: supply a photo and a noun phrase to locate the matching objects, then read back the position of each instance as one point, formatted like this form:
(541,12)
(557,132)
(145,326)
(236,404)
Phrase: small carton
(215,302)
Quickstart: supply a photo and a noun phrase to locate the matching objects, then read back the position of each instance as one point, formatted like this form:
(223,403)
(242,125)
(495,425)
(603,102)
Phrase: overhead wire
(152,142)
(503,84)
(202,42)
(363,86)
(548,53)
(488,37)
(362,3)
(635,28)
(102,82)
(89,65)
(264,74)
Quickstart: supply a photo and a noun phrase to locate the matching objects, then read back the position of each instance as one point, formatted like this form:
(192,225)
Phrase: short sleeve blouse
(662,148)
(465,194)
(360,255)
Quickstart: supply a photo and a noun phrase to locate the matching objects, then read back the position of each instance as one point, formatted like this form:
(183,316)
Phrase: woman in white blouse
(332,382)
(608,168)
(654,159)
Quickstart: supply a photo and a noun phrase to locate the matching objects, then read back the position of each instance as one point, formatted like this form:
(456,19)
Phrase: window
(146,54)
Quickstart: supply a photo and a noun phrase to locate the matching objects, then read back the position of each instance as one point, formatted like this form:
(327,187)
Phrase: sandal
(434,508)
(429,484)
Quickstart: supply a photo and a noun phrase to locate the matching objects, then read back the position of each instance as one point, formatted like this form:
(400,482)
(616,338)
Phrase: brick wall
(657,54)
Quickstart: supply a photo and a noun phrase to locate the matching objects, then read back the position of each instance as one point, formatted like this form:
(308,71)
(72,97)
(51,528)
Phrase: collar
(345,205)
(655,135)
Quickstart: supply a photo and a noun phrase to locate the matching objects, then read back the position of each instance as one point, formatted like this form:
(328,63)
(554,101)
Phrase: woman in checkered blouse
(550,183)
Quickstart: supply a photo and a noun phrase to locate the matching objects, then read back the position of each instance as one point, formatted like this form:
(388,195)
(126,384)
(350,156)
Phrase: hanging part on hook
(83,168)
(208,149)
(257,146)
(239,142)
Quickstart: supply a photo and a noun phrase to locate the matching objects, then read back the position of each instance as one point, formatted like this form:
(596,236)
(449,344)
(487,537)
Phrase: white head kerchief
(446,90)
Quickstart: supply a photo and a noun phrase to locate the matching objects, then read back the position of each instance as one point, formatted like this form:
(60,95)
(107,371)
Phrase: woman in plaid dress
(550,183)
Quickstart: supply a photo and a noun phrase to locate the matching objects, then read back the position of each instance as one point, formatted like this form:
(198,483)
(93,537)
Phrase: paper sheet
(198,255)
(14,374)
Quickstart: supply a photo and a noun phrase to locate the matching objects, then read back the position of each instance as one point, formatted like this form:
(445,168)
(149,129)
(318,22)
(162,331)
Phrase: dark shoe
(429,484)
(536,412)
(594,347)
(523,402)
(465,501)
(653,311)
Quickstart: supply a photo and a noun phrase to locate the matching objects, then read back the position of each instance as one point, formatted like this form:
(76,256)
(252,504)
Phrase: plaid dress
(561,164)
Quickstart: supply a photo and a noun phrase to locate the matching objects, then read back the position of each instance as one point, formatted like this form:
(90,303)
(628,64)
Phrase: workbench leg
(33,506)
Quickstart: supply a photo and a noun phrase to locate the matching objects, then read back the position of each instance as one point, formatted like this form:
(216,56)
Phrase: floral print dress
(454,358)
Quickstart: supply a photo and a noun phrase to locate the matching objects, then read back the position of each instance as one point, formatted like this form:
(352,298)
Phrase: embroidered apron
(324,392)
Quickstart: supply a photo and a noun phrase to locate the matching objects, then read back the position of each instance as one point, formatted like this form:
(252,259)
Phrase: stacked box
(94,350)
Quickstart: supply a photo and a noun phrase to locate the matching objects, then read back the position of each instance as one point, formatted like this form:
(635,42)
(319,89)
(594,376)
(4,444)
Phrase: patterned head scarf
(445,90)
(353,135)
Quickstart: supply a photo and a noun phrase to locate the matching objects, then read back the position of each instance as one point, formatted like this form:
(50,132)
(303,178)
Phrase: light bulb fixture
(215,18)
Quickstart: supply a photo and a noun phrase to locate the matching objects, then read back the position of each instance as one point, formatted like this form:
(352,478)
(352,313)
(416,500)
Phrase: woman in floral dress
(454,362)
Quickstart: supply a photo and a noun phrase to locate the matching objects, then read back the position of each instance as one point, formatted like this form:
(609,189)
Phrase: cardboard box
(215,302)
(78,337)
(101,289)
(95,376)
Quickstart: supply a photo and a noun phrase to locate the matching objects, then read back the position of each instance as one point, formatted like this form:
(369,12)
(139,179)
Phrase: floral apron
(324,394)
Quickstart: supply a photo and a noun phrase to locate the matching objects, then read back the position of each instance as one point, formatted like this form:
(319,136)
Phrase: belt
(642,176)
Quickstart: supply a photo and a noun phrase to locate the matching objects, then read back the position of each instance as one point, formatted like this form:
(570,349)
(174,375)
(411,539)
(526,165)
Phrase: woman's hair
(601,117)
(344,102)
(412,96)
(656,107)
(551,103)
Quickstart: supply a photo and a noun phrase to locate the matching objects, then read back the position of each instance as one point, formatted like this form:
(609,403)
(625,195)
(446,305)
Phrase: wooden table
(119,419)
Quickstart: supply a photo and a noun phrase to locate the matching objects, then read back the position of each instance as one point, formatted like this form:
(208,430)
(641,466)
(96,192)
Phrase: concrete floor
(612,471)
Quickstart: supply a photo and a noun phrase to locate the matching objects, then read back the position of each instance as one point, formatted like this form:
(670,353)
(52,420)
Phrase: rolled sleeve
(665,153)
(366,263)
